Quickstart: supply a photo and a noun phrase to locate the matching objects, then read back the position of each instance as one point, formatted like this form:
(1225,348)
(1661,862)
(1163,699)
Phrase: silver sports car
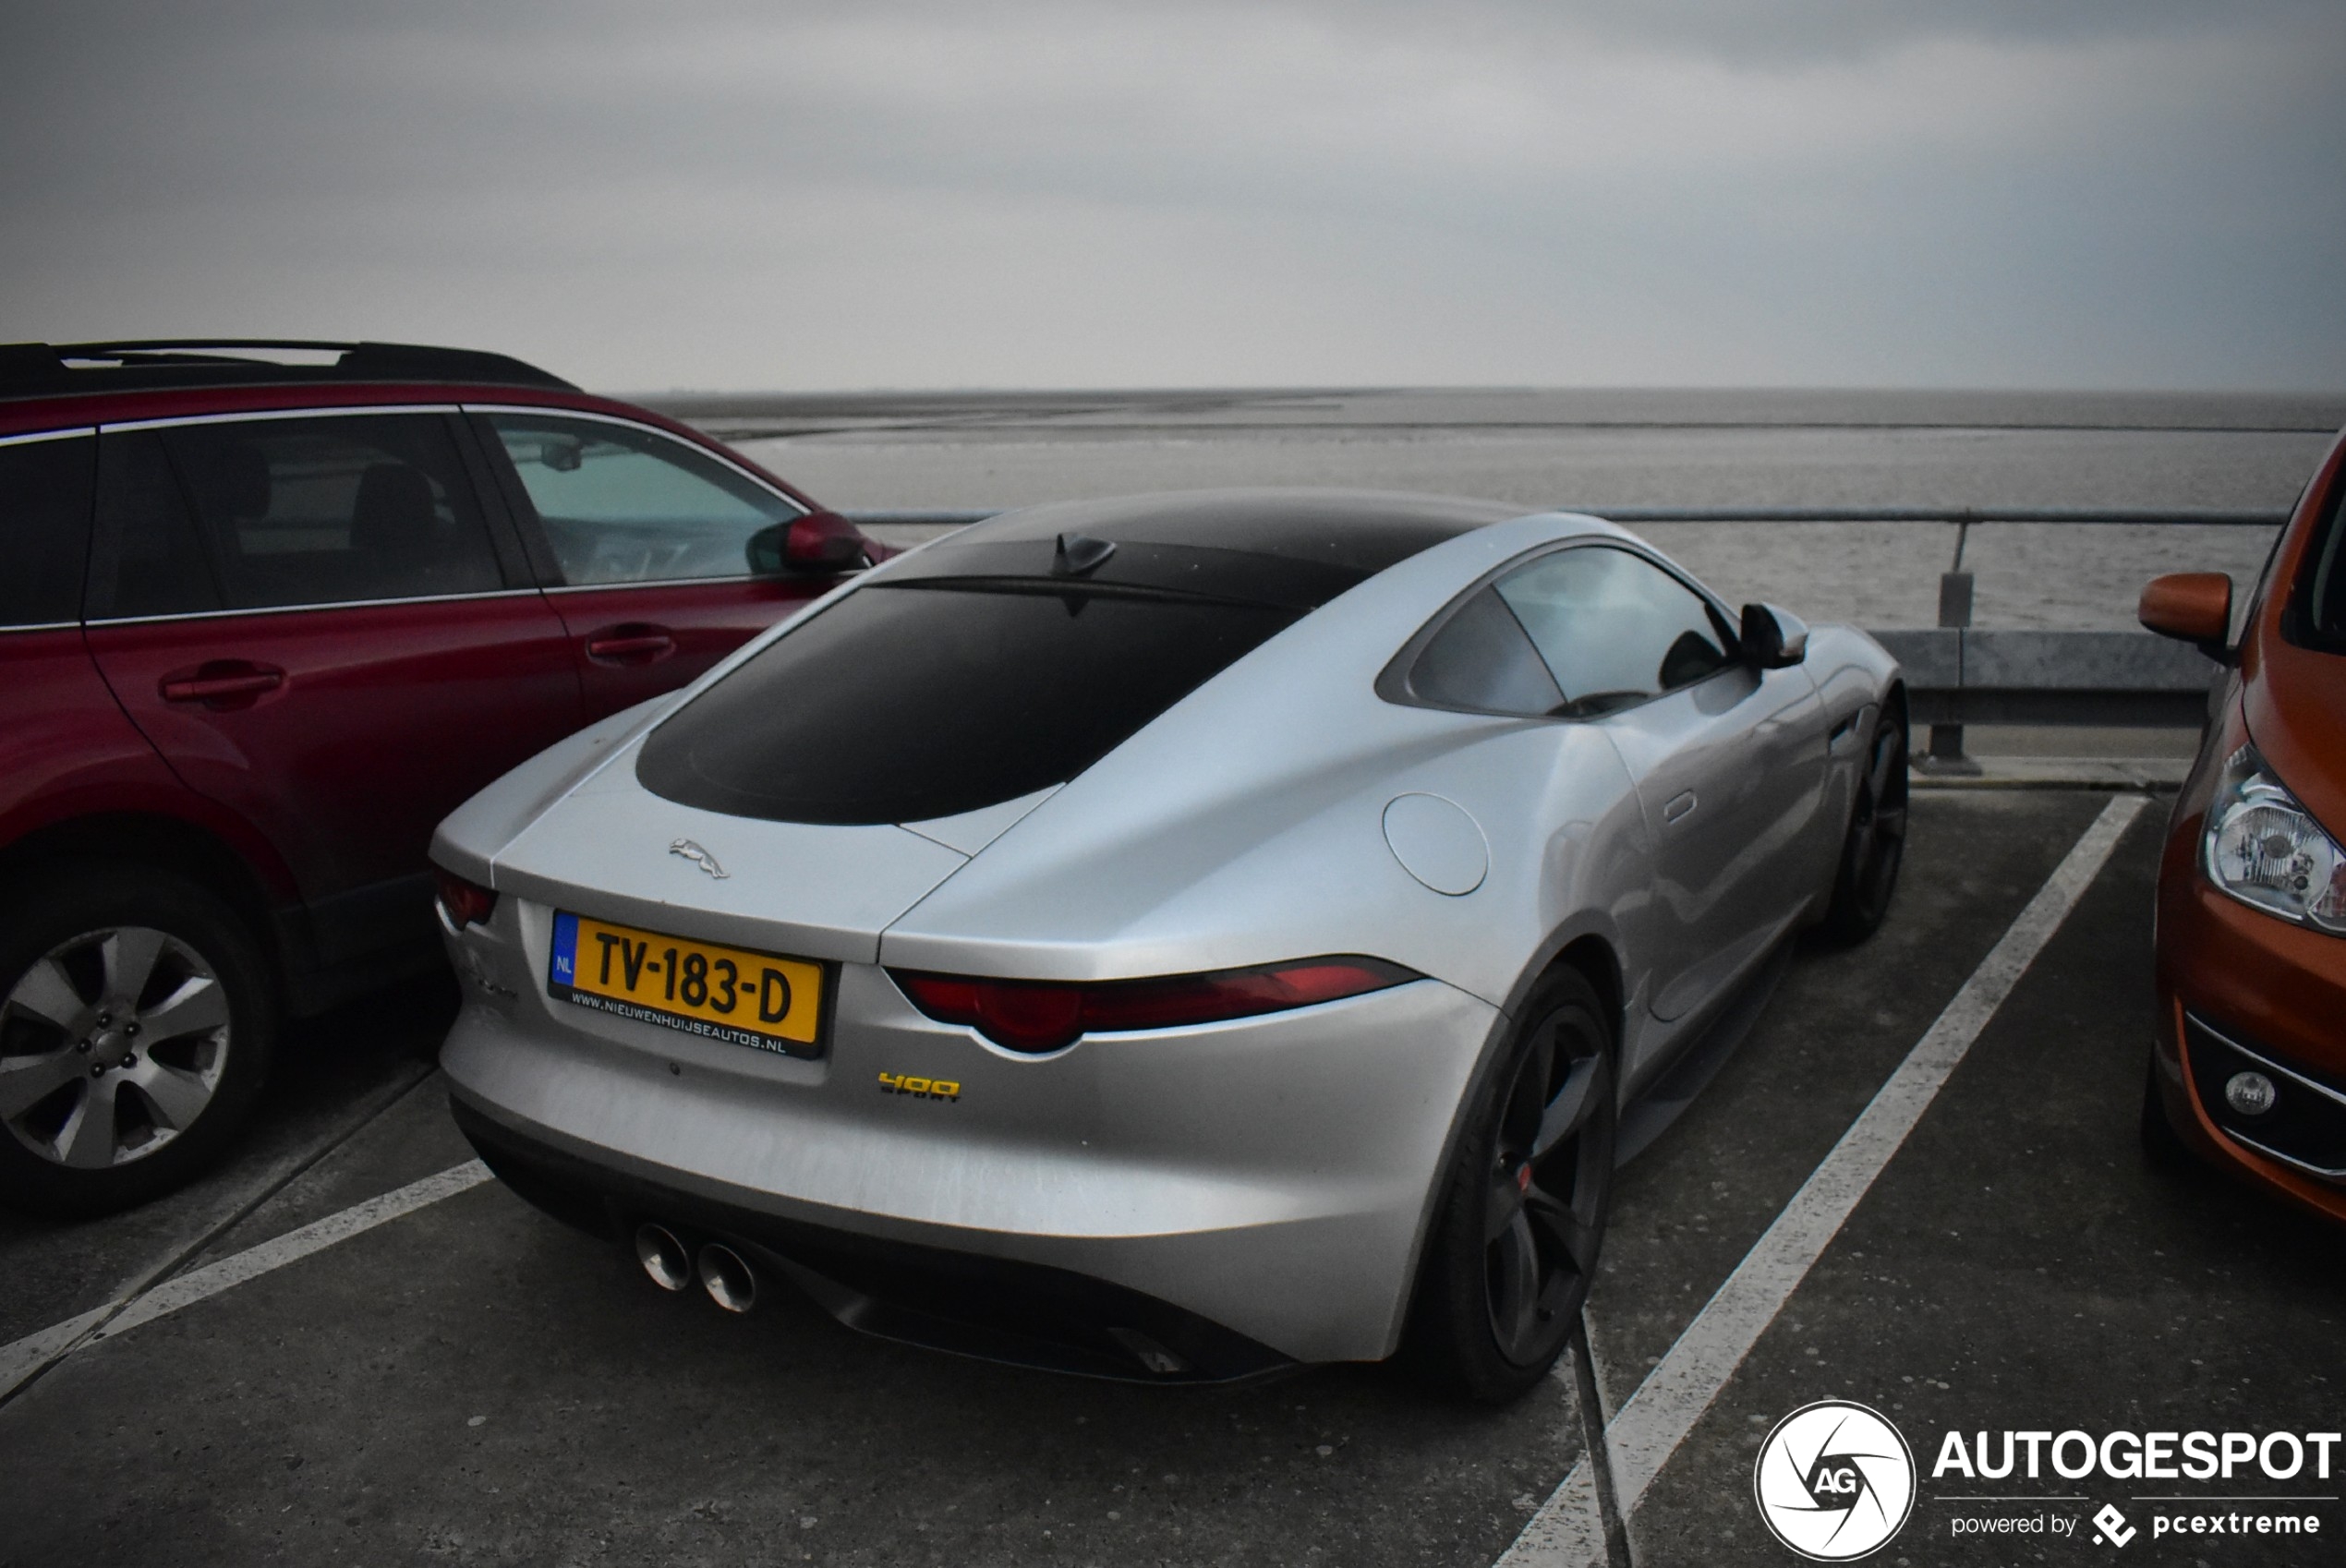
(1174,937)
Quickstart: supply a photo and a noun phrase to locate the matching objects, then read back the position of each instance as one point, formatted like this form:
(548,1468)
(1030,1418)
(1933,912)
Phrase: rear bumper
(1270,1178)
(991,1308)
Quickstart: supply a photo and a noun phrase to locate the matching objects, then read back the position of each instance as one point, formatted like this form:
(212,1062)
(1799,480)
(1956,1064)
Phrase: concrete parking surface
(471,1383)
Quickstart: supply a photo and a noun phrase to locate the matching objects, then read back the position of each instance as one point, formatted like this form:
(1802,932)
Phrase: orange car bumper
(2240,989)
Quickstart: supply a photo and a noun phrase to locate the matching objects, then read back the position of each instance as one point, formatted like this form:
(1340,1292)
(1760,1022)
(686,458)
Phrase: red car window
(149,561)
(334,511)
(45,529)
(620,504)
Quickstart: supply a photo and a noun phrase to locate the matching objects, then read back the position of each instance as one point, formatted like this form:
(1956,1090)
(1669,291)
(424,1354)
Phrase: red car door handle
(633,642)
(222,682)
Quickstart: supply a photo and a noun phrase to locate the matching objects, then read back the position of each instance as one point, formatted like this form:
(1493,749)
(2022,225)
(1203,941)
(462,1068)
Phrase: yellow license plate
(744,998)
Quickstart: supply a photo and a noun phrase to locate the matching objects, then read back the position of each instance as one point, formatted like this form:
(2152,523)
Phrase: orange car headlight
(2266,851)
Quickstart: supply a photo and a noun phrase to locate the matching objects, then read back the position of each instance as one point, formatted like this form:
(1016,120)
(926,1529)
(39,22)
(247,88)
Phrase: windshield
(2317,608)
(908,701)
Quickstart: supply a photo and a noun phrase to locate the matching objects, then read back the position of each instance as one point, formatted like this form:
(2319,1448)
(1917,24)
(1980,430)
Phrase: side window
(329,511)
(148,560)
(619,504)
(1612,628)
(1481,658)
(45,529)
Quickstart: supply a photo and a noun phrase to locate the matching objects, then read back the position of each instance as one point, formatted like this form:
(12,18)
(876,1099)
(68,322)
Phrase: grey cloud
(1783,32)
(2094,193)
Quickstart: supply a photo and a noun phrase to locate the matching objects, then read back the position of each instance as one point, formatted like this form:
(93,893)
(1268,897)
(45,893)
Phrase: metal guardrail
(1954,517)
(1968,675)
(1958,674)
(921,516)
(1958,516)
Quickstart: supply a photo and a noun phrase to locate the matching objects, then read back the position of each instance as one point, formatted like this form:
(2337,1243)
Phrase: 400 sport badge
(1834,1481)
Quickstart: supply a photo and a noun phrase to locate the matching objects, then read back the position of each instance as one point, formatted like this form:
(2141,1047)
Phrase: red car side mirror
(818,542)
(2192,607)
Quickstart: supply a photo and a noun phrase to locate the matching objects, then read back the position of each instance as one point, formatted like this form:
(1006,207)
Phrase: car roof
(66,387)
(43,370)
(1294,547)
(1367,530)
(47,386)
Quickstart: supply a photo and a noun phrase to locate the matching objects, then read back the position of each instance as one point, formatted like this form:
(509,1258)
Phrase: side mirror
(2192,607)
(1772,638)
(818,542)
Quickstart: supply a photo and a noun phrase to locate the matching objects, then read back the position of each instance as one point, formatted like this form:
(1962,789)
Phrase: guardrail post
(1945,753)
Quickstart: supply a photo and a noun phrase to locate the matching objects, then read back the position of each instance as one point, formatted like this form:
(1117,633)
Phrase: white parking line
(26,1356)
(22,1358)
(1567,1531)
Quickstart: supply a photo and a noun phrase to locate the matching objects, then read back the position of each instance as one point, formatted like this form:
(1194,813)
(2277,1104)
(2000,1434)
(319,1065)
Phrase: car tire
(1524,1203)
(1874,845)
(2163,1147)
(137,1021)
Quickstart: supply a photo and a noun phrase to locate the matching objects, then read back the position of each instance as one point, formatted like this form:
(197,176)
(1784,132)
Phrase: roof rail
(41,369)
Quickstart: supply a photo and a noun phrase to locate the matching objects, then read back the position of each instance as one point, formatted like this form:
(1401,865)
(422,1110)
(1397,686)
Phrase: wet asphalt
(474,1384)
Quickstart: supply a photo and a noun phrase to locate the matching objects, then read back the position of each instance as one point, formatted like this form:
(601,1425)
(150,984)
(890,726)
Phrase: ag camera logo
(1835,1480)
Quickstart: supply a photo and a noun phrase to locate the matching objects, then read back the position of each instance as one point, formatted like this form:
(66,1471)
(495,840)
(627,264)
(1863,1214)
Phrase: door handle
(632,641)
(222,684)
(1679,808)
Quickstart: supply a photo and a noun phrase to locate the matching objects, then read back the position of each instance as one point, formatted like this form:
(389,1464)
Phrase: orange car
(2249,1071)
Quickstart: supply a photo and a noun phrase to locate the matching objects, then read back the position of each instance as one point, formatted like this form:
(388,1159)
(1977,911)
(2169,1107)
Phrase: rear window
(905,702)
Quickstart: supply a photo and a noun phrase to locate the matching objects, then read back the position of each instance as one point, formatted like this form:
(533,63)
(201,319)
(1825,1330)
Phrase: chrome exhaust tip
(727,1278)
(664,1257)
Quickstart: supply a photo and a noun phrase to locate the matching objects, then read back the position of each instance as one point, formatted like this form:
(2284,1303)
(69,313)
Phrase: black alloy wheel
(1876,842)
(1524,1212)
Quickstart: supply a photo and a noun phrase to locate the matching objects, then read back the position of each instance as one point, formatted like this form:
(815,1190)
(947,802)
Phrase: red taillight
(465,903)
(1043,1015)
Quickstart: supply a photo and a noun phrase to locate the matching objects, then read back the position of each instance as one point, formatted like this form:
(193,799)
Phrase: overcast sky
(1995,193)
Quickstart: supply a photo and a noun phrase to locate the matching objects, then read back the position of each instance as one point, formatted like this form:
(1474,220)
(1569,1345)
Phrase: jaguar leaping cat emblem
(699,856)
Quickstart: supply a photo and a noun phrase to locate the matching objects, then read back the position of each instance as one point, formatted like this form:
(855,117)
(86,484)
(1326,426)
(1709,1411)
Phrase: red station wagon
(268,611)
